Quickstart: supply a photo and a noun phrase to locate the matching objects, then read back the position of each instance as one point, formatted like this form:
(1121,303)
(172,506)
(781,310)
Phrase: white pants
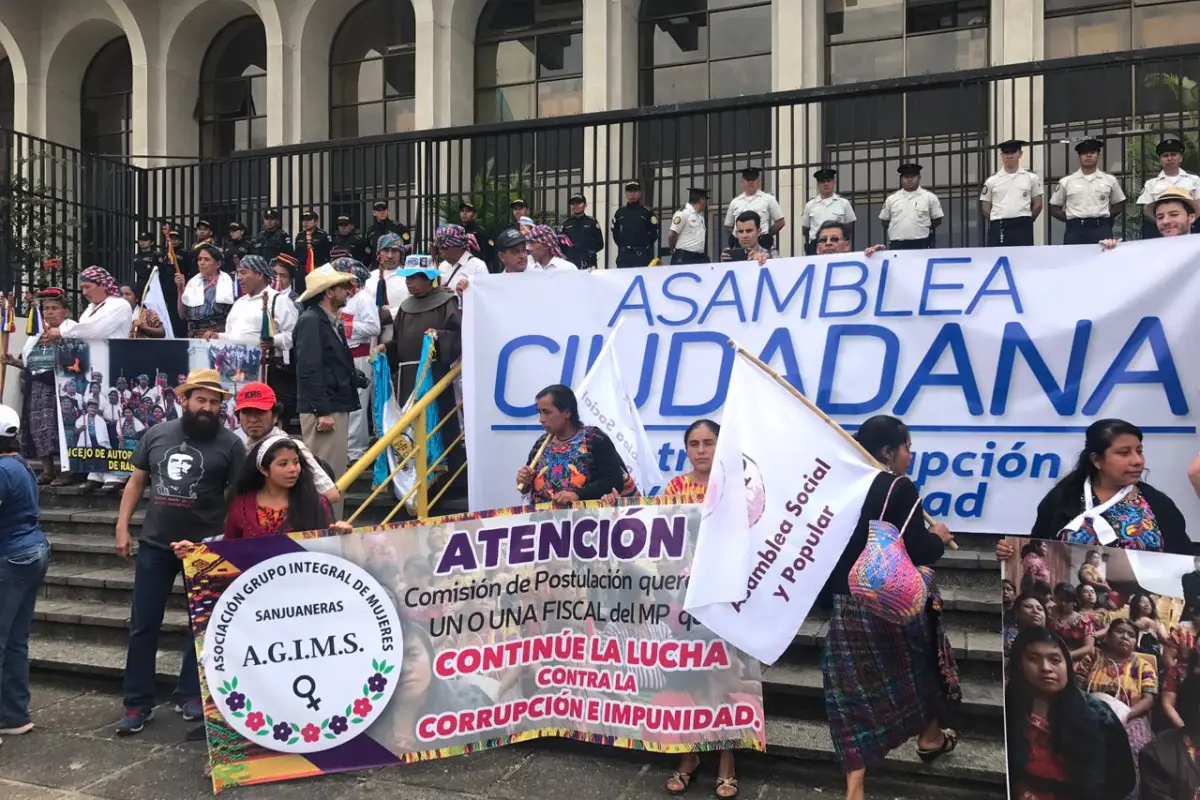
(360,427)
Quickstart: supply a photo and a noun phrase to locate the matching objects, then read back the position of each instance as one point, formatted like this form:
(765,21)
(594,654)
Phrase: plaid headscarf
(257,264)
(390,241)
(456,236)
(100,277)
(352,266)
(544,234)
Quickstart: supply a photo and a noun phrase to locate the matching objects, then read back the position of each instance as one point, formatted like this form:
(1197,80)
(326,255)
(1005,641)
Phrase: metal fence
(949,123)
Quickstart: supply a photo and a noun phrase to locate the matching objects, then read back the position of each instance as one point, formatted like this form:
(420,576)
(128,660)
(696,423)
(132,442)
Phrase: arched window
(704,49)
(232,109)
(529,60)
(105,101)
(7,96)
(372,71)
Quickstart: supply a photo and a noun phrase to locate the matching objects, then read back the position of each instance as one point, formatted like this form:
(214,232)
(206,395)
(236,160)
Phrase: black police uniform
(236,249)
(487,252)
(586,240)
(270,243)
(321,247)
(353,243)
(635,232)
(144,263)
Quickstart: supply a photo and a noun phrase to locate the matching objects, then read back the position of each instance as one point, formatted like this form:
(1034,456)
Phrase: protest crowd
(251,443)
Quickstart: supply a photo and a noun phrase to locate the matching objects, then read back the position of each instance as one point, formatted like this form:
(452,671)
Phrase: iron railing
(950,123)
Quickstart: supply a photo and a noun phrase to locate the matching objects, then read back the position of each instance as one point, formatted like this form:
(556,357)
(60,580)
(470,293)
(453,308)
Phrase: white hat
(10,421)
(317,281)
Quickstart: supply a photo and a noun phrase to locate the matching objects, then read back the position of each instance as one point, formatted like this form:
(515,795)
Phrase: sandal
(64,479)
(726,788)
(45,479)
(683,780)
(949,742)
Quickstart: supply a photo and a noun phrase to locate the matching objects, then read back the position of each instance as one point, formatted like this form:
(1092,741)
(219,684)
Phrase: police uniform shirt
(910,215)
(1087,196)
(688,225)
(820,210)
(764,204)
(1153,188)
(1011,193)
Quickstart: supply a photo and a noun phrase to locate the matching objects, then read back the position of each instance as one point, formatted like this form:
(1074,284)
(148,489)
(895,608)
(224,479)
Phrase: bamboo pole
(870,459)
(522,488)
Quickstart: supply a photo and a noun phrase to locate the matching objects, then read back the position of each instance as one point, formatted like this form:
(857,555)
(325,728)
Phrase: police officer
(147,258)
(827,206)
(204,235)
(313,237)
(912,213)
(272,239)
(164,230)
(1170,156)
(236,246)
(688,237)
(634,230)
(383,225)
(466,217)
(584,232)
(1011,199)
(349,239)
(517,208)
(753,198)
(183,259)
(1088,198)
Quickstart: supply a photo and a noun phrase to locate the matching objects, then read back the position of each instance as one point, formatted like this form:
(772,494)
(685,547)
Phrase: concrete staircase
(81,622)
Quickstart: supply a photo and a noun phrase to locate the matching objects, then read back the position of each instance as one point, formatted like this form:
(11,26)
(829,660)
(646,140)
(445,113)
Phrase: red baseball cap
(256,396)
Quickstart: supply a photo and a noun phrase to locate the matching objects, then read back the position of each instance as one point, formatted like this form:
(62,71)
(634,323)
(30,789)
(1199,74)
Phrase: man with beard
(1174,213)
(327,382)
(190,465)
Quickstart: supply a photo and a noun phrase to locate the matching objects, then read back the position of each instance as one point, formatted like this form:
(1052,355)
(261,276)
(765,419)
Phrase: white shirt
(110,411)
(1087,196)
(820,210)
(555,264)
(244,323)
(1153,188)
(1011,193)
(688,224)
(360,318)
(465,269)
(321,479)
(100,429)
(112,319)
(910,214)
(397,293)
(765,204)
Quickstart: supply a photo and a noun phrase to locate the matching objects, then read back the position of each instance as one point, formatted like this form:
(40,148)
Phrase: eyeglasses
(828,240)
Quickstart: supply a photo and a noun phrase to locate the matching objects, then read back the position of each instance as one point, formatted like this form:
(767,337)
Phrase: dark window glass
(533,51)
(7,94)
(233,87)
(105,101)
(373,70)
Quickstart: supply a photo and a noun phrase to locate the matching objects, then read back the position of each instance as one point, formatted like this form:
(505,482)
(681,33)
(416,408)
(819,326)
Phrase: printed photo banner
(111,392)
(325,654)
(1107,639)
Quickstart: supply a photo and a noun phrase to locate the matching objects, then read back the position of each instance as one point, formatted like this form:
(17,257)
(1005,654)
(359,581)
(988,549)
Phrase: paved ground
(74,755)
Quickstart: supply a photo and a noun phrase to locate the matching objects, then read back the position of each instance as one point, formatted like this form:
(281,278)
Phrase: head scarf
(100,277)
(456,236)
(257,264)
(390,241)
(354,267)
(544,234)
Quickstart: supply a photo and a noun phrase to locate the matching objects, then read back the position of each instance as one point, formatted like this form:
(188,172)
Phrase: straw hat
(1179,196)
(208,379)
(323,278)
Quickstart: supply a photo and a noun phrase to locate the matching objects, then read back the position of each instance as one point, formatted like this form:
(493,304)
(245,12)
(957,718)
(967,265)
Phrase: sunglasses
(830,240)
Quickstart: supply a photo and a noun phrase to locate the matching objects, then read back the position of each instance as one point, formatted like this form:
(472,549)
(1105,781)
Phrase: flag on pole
(171,256)
(33,324)
(778,514)
(8,319)
(606,403)
(153,299)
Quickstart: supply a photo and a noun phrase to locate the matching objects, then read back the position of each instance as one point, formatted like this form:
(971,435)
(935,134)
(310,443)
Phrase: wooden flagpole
(870,459)
(6,315)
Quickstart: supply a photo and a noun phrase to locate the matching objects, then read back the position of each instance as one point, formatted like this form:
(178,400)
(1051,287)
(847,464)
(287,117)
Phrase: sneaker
(190,710)
(133,721)
(17,730)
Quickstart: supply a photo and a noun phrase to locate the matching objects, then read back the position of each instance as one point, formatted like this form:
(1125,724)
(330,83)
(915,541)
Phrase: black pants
(1015,232)
(1088,231)
(154,574)
(911,244)
(688,257)
(810,248)
(635,256)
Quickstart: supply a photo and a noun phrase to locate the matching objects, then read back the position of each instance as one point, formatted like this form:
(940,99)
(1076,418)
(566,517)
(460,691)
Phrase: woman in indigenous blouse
(1128,677)
(205,299)
(1072,626)
(578,461)
(700,441)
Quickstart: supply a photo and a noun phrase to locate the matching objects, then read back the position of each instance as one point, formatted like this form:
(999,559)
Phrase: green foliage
(491,195)
(33,224)
(1140,150)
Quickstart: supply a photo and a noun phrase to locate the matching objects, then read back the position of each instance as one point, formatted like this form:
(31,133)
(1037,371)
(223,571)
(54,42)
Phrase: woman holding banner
(571,461)
(205,299)
(864,652)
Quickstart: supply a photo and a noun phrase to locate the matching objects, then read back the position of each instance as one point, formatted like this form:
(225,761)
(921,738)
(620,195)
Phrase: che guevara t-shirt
(188,482)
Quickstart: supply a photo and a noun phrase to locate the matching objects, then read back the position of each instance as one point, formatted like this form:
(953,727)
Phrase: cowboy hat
(208,379)
(1179,196)
(325,277)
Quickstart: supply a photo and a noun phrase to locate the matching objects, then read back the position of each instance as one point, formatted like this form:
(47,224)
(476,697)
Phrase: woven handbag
(883,578)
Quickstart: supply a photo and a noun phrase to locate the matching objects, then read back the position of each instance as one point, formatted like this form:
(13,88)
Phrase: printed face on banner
(1107,651)
(304,652)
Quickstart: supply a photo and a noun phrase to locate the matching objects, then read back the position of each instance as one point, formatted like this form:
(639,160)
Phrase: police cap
(145,236)
(309,214)
(510,238)
(633,186)
(578,198)
(466,205)
(236,226)
(1169,145)
(344,220)
(1012,146)
(825,174)
(271,213)
(518,203)
(698,193)
(1090,145)
(204,224)
(379,205)
(751,173)
(909,169)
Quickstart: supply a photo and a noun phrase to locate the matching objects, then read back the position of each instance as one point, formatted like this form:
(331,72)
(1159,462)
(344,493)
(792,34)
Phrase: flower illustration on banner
(282,731)
(236,701)
(255,721)
(377,683)
(310,732)
(338,725)
(362,707)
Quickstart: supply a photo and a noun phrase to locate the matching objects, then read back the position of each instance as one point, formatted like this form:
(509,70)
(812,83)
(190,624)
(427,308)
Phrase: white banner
(776,519)
(998,359)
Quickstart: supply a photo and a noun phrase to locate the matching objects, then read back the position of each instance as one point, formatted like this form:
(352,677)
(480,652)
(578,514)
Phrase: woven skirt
(41,422)
(884,683)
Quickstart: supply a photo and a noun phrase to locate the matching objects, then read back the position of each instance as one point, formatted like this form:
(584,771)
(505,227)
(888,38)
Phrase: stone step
(978,763)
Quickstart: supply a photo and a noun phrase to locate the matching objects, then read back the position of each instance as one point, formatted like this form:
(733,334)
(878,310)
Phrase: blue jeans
(154,576)
(21,575)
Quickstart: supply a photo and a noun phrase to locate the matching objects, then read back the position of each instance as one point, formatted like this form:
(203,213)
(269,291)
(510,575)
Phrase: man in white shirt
(688,237)
(257,410)
(360,322)
(107,316)
(545,251)
(1011,199)
(912,213)
(459,266)
(762,203)
(827,206)
(245,321)
(1088,199)
(1170,156)
(389,255)
(510,247)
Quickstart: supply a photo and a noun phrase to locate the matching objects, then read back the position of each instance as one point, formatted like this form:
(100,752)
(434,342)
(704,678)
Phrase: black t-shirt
(188,482)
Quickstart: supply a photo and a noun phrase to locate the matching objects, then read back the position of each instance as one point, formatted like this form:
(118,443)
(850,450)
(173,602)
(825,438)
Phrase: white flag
(605,403)
(153,299)
(784,496)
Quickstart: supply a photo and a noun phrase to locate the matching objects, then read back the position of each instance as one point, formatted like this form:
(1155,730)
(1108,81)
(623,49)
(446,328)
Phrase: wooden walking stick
(266,334)
(7,326)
